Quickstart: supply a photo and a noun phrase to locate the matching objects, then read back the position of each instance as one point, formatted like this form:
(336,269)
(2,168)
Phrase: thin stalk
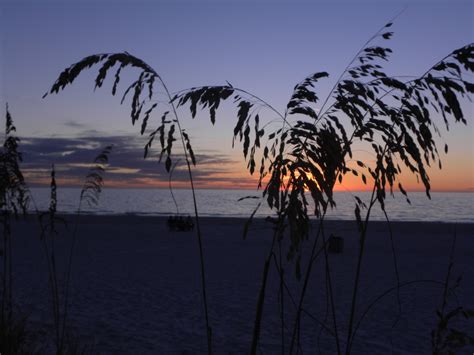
(444,300)
(395,265)
(448,274)
(10,275)
(305,284)
(4,276)
(51,272)
(50,275)
(282,303)
(198,227)
(363,235)
(68,274)
(171,187)
(6,303)
(52,257)
(288,291)
(56,294)
(331,293)
(261,297)
(382,295)
(326,312)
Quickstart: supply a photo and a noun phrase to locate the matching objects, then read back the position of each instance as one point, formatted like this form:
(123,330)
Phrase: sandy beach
(136,285)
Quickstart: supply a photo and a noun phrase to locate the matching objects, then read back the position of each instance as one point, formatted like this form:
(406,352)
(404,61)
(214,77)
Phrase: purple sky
(265,47)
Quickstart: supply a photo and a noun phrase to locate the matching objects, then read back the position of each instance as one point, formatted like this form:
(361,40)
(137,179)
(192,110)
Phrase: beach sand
(136,286)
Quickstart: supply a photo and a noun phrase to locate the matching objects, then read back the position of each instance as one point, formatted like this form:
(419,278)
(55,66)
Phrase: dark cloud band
(72,158)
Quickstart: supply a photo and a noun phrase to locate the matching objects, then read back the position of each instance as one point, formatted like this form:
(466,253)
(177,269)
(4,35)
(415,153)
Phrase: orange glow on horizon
(237,178)
(249,184)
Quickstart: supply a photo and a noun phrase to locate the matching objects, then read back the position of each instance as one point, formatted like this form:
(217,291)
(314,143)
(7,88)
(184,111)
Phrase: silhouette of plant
(48,229)
(171,187)
(300,163)
(143,92)
(90,194)
(389,116)
(13,200)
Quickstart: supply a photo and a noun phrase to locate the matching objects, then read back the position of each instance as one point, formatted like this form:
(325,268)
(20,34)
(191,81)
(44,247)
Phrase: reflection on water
(443,206)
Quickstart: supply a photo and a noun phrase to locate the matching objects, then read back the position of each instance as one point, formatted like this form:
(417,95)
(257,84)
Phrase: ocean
(444,206)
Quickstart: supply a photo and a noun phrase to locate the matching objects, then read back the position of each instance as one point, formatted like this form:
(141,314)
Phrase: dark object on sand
(181,224)
(335,244)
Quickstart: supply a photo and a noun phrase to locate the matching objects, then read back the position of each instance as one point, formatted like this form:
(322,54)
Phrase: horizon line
(46,186)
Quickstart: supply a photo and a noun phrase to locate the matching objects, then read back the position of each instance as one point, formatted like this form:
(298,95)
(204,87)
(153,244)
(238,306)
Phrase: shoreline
(149,216)
(125,218)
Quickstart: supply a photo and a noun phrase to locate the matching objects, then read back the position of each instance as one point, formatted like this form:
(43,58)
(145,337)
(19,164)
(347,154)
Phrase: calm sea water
(443,206)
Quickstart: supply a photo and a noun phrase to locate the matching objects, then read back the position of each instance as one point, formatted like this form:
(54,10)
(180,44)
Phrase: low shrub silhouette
(90,194)
(15,197)
(13,201)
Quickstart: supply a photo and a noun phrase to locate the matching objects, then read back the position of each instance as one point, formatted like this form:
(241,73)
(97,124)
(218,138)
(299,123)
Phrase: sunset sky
(265,47)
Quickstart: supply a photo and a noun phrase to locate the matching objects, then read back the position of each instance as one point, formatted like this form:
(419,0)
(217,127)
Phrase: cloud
(73,157)
(74,124)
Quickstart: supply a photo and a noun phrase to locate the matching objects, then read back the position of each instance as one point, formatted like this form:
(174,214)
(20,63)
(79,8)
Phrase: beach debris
(335,244)
(180,223)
